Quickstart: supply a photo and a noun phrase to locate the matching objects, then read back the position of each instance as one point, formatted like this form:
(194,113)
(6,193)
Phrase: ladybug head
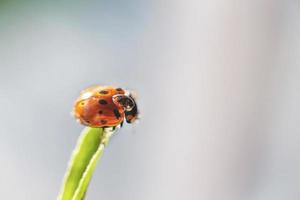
(124,101)
(127,101)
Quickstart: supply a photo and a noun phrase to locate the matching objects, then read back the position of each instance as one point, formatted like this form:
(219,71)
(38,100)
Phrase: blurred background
(218,84)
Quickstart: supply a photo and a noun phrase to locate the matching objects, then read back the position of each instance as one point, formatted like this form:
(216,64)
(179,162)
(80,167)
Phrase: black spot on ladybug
(103,92)
(103,121)
(102,102)
(119,89)
(87,121)
(82,103)
(117,113)
(100,112)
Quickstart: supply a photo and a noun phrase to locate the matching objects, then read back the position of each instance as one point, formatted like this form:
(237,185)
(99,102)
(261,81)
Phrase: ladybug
(105,106)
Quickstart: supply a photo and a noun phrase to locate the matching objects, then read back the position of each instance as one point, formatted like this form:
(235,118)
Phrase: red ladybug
(105,106)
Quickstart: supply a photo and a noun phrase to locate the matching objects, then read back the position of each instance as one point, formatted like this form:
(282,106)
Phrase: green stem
(83,162)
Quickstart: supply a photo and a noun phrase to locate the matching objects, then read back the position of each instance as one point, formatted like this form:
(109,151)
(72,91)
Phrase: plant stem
(83,162)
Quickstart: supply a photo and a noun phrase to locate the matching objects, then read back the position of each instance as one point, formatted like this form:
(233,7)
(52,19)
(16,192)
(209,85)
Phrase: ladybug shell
(95,107)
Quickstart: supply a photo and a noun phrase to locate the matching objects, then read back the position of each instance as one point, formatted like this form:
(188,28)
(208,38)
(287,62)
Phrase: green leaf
(82,164)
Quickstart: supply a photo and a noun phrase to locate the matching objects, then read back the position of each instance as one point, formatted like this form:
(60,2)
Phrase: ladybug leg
(109,128)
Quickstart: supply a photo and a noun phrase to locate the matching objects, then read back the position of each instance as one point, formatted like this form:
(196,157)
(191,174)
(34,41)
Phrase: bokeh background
(218,84)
